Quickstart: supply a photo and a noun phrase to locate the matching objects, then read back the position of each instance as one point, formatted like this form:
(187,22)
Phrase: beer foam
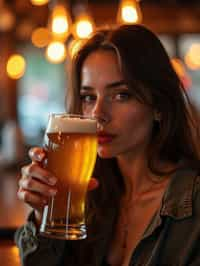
(71,125)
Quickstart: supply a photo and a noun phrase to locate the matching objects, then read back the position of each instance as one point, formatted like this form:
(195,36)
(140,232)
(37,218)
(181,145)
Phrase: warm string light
(59,30)
(7,17)
(84,27)
(39,2)
(40,37)
(16,66)
(60,27)
(192,57)
(56,52)
(84,24)
(60,22)
(129,12)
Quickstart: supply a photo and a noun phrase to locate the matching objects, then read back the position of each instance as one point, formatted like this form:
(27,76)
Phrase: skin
(106,97)
(118,113)
(37,185)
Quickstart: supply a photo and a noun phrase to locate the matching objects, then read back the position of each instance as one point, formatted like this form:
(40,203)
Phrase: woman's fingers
(33,185)
(34,170)
(35,200)
(36,185)
(37,154)
(36,178)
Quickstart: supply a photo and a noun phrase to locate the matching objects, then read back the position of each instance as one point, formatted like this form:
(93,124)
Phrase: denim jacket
(171,239)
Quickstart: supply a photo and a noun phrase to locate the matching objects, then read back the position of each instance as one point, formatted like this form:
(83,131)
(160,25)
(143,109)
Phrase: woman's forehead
(100,66)
(99,56)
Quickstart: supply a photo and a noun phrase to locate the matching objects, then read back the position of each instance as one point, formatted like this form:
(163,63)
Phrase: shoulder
(196,187)
(196,197)
(32,246)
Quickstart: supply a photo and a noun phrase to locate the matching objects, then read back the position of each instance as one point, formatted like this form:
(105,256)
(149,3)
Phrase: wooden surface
(9,255)
(13,212)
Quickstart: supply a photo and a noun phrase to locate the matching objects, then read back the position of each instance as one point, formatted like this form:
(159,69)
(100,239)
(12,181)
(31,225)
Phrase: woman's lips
(105,138)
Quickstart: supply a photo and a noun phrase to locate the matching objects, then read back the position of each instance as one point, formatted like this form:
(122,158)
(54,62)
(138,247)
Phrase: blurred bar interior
(37,40)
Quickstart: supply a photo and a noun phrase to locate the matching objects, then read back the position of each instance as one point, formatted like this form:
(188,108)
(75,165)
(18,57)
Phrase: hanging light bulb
(192,57)
(56,52)
(39,2)
(40,37)
(7,17)
(84,26)
(60,22)
(129,12)
(16,66)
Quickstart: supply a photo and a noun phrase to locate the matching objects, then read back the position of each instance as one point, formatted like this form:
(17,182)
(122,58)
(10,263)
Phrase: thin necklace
(125,211)
(124,216)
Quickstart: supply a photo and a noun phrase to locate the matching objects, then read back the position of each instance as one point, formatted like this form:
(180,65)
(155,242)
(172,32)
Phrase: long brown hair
(147,70)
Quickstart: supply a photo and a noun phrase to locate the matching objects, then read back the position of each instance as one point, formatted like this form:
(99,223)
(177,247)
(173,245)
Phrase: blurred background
(38,39)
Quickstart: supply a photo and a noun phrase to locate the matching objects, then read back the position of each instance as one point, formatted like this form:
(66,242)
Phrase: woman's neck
(138,178)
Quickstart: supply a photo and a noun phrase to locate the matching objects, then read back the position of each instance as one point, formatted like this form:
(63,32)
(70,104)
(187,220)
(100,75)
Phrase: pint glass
(71,147)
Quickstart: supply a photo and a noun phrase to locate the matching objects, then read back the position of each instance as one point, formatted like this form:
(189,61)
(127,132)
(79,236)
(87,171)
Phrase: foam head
(71,124)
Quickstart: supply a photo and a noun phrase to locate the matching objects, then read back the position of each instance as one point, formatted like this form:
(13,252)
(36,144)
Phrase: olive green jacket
(171,239)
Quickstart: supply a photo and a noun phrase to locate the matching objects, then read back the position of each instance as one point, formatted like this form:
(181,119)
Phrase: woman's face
(124,124)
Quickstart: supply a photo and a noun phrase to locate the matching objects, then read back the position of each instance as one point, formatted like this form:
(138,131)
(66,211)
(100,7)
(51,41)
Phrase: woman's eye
(122,96)
(88,98)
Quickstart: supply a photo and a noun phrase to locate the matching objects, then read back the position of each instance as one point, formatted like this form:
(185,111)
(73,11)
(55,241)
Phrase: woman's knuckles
(37,154)
(28,183)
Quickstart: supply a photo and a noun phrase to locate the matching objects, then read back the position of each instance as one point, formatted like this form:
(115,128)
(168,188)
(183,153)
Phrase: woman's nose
(101,112)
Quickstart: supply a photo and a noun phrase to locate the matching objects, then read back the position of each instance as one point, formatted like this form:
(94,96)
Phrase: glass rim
(71,115)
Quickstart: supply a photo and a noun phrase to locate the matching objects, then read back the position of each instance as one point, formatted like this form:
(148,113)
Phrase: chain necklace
(123,228)
(126,217)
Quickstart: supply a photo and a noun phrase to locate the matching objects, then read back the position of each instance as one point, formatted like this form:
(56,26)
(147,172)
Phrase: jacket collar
(177,200)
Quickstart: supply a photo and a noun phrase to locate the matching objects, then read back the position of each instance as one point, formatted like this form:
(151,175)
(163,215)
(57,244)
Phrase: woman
(145,208)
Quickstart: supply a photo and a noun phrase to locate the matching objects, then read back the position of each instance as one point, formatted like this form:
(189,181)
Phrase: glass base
(71,232)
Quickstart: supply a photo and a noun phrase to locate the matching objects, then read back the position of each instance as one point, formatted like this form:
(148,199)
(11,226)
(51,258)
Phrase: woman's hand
(37,185)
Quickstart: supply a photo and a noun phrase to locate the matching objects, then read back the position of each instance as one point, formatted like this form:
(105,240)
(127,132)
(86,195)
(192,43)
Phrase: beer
(71,147)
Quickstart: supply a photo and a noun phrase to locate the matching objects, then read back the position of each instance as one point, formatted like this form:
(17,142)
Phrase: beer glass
(71,146)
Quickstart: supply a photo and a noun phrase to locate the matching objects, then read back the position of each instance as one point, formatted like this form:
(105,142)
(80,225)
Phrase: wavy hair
(148,71)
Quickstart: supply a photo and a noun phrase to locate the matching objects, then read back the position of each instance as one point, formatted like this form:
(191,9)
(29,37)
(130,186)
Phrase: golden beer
(71,147)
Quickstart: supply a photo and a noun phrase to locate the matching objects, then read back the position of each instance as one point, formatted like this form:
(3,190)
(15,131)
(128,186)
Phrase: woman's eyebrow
(116,84)
(86,88)
(111,85)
